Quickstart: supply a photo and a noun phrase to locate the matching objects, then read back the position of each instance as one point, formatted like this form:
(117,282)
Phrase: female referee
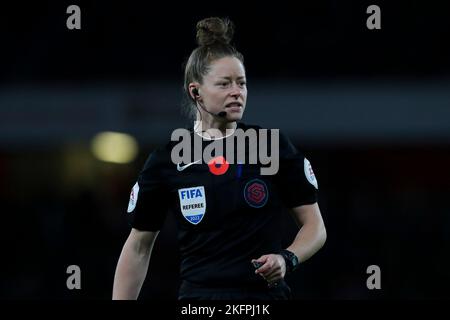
(227,216)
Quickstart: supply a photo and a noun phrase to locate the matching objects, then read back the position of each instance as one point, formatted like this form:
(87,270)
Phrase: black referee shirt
(224,221)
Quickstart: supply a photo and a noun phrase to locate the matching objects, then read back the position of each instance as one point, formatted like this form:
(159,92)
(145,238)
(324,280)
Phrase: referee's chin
(234,116)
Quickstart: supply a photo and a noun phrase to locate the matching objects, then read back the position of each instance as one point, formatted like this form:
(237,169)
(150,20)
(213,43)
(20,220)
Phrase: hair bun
(214,30)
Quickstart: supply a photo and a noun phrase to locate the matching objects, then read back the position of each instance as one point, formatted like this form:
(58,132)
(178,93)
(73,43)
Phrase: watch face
(294,261)
(291,260)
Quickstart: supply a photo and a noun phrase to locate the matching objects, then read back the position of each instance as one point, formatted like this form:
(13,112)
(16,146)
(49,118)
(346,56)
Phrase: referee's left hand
(273,268)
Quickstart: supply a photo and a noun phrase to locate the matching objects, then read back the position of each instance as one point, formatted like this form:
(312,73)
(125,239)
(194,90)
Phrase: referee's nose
(236,91)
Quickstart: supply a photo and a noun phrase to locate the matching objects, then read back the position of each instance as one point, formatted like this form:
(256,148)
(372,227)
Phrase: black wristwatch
(291,260)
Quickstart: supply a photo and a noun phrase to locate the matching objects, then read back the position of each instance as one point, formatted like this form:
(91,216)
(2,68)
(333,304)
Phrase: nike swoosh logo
(181,168)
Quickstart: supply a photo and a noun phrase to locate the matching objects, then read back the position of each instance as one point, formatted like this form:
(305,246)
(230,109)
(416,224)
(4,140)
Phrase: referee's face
(224,88)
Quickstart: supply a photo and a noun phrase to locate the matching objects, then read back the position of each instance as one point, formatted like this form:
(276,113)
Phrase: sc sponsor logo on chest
(192,203)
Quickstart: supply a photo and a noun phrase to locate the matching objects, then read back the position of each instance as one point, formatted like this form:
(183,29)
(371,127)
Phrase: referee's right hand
(273,269)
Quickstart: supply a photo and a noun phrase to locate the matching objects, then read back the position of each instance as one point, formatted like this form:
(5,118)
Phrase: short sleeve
(296,178)
(148,204)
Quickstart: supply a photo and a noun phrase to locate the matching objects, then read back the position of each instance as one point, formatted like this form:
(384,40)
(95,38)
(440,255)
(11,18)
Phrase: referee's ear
(193,90)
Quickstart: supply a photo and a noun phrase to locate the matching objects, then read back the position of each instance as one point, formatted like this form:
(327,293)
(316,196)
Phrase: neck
(211,128)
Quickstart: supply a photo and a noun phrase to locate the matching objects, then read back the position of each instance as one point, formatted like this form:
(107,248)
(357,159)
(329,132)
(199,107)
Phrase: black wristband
(291,260)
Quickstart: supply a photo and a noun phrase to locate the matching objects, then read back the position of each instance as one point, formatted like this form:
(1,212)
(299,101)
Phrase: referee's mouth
(234,106)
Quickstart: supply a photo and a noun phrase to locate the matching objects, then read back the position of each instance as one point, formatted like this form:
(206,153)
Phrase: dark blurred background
(370,108)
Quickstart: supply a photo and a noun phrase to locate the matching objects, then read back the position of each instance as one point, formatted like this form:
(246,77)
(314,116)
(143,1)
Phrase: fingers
(271,270)
(274,276)
(262,259)
(266,267)
(259,263)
